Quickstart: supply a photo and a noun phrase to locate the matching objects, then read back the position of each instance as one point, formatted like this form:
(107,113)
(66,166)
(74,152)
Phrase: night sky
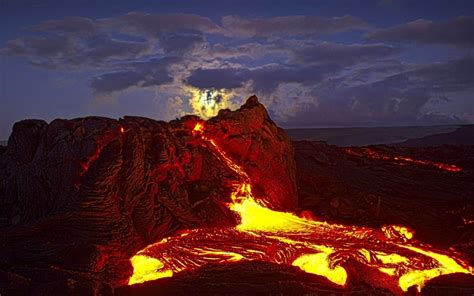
(312,63)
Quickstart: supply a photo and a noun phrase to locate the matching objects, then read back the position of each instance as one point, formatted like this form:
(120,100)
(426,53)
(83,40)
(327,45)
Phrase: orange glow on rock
(400,232)
(316,247)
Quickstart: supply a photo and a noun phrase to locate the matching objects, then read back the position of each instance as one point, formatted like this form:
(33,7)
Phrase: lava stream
(285,238)
(401,160)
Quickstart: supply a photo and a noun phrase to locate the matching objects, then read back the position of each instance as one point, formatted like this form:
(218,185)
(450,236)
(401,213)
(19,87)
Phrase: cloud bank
(304,77)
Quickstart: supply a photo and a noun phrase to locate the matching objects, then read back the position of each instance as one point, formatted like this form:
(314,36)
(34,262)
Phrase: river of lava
(284,238)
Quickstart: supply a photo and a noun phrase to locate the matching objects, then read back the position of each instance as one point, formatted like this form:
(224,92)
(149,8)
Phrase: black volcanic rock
(355,188)
(244,278)
(451,284)
(79,197)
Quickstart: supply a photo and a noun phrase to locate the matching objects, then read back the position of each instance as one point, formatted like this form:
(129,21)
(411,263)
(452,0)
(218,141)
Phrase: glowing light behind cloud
(206,103)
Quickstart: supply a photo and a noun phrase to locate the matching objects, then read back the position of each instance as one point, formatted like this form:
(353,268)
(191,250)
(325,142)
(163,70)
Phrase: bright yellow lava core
(314,246)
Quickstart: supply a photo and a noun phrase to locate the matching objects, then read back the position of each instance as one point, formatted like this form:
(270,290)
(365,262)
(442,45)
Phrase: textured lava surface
(79,197)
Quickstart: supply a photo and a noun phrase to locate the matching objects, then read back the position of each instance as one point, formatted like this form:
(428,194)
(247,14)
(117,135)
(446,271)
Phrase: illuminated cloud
(206,103)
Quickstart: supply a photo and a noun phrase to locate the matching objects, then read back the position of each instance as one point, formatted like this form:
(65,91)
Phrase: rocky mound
(79,197)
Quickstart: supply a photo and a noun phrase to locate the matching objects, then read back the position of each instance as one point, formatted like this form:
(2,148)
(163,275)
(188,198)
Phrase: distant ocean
(361,136)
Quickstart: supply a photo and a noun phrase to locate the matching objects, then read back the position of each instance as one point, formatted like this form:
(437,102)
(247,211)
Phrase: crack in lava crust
(285,238)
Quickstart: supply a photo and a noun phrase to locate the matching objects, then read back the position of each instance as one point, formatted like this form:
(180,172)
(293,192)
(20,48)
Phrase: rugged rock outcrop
(79,197)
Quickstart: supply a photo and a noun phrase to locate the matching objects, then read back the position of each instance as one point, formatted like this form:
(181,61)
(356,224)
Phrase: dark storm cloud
(343,54)
(452,76)
(290,26)
(253,50)
(102,48)
(219,78)
(264,79)
(71,25)
(75,42)
(457,32)
(153,25)
(396,99)
(181,42)
(38,46)
(375,70)
(55,51)
(368,105)
(148,73)
(115,81)
(314,62)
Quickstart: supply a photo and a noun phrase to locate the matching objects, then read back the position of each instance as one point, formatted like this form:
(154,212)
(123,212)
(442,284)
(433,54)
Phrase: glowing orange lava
(284,238)
(371,153)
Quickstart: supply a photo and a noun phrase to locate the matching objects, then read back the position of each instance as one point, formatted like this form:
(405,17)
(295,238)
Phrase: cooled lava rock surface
(79,197)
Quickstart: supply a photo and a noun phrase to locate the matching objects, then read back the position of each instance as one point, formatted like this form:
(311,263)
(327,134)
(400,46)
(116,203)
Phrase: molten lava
(401,160)
(285,238)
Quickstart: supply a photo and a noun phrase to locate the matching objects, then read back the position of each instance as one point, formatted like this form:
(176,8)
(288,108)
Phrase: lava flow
(401,160)
(316,247)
